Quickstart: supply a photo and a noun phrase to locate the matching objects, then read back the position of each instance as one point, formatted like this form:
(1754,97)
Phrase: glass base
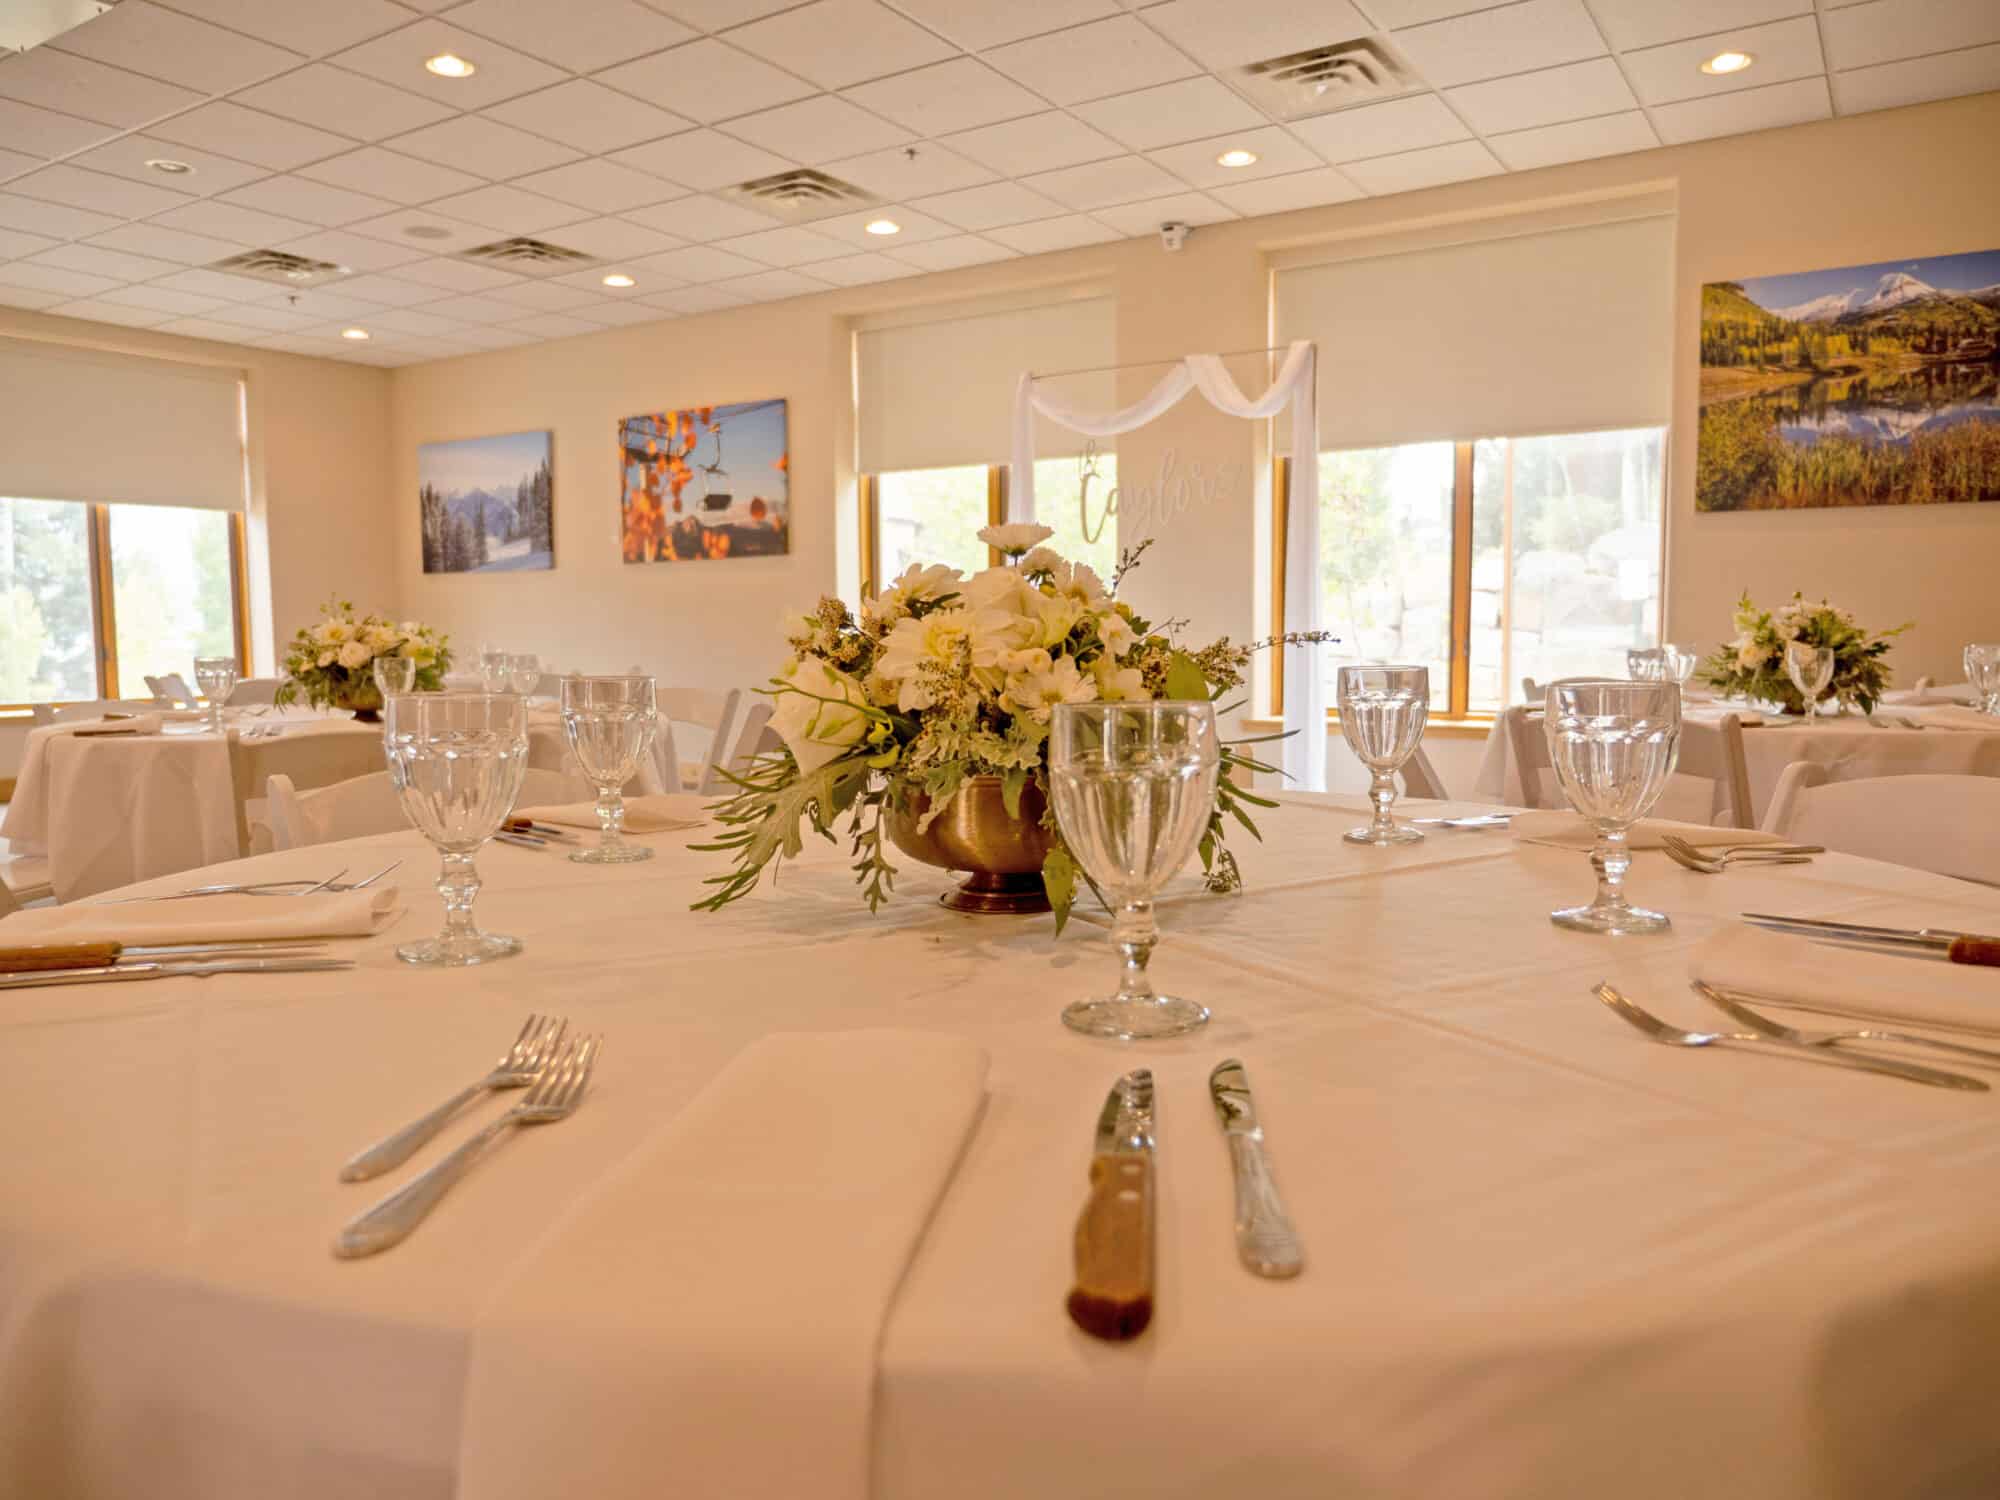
(1616,920)
(1400,833)
(1135,1020)
(617,854)
(454,953)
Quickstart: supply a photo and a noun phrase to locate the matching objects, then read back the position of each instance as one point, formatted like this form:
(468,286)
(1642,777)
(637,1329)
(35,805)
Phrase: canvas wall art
(487,504)
(706,483)
(1867,385)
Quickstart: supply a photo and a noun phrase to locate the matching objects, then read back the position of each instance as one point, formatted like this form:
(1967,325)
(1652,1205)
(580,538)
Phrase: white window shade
(104,428)
(939,392)
(1551,330)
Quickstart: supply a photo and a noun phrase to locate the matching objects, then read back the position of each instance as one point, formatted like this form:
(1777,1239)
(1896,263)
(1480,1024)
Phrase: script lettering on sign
(1150,507)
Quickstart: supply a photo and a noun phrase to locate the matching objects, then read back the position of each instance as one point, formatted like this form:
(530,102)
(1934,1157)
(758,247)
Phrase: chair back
(1532,691)
(1528,750)
(94,708)
(252,691)
(171,691)
(1714,752)
(310,760)
(365,805)
(1943,824)
(714,712)
(1421,779)
(8,905)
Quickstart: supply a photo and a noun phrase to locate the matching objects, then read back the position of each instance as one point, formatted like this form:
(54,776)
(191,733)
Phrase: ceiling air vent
(800,195)
(281,269)
(535,257)
(1325,79)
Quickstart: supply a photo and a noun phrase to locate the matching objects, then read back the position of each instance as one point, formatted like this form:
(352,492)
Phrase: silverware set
(305,886)
(551,1066)
(1713,859)
(527,834)
(1976,948)
(35,966)
(1471,820)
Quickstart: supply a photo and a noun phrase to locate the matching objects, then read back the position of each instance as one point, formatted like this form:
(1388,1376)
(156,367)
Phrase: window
(924,516)
(95,598)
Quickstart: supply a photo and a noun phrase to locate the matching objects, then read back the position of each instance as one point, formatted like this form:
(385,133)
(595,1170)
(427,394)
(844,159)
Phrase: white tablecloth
(1545,1258)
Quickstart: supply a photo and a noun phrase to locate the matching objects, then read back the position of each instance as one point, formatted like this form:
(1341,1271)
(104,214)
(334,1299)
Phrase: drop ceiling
(986,129)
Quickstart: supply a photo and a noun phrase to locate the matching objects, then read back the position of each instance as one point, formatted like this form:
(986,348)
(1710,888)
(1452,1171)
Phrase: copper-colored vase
(975,833)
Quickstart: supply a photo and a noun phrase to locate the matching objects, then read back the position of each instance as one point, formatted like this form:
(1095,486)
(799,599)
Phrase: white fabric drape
(1297,385)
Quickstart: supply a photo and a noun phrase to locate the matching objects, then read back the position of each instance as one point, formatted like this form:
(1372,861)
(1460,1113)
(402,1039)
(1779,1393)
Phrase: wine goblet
(1612,746)
(1382,716)
(394,675)
(216,677)
(493,668)
(609,722)
(457,761)
(524,672)
(1133,786)
(1811,669)
(1982,671)
(1660,664)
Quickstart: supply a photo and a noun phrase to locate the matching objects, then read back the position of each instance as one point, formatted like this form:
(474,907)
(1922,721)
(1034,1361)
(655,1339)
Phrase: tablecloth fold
(1568,830)
(207,919)
(1840,978)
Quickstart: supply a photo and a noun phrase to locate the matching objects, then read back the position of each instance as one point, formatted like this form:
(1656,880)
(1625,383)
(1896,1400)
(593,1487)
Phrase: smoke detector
(535,257)
(1323,79)
(281,268)
(800,195)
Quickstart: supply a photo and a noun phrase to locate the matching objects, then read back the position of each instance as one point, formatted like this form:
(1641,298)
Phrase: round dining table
(1543,1257)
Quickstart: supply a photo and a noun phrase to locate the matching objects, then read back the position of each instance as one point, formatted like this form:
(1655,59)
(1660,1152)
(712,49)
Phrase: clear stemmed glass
(1982,671)
(1133,785)
(1612,745)
(216,677)
(493,668)
(524,672)
(1811,669)
(457,761)
(609,722)
(1382,716)
(394,675)
(1660,664)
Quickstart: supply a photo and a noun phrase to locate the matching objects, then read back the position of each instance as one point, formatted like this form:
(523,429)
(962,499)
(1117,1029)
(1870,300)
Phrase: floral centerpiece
(944,688)
(1753,664)
(331,664)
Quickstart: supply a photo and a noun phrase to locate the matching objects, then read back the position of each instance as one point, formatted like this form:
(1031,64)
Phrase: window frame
(871,523)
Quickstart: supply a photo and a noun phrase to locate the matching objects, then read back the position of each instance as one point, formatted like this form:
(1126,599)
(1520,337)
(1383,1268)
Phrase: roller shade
(939,392)
(81,425)
(1566,329)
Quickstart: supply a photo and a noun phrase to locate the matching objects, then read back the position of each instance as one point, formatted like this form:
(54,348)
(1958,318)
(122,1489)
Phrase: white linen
(790,1193)
(1957,716)
(648,814)
(1568,830)
(208,919)
(1914,989)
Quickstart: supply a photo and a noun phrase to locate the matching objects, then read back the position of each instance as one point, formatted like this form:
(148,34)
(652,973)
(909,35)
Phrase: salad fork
(1730,1002)
(1717,858)
(555,1095)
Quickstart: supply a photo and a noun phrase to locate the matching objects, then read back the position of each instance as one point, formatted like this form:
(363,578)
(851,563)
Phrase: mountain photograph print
(487,504)
(706,483)
(1871,385)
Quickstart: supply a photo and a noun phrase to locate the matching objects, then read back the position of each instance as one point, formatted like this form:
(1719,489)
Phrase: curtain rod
(1140,364)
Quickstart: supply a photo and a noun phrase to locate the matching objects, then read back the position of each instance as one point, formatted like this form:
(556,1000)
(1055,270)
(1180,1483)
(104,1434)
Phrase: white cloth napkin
(1956,716)
(657,814)
(207,919)
(1838,977)
(1568,830)
(136,724)
(621,1359)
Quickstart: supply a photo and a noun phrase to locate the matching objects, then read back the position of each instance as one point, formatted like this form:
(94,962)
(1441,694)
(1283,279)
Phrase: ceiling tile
(110,312)
(894,174)
(840,42)
(162,44)
(55,220)
(854,270)
(1043,235)
(395,228)
(1039,143)
(581,35)
(1183,111)
(455,275)
(701,218)
(951,253)
(1784,50)
(473,143)
(479,337)
(398,59)
(592,281)
(231,130)
(1575,91)
(955,95)
(1574,140)
(407,320)
(1509,39)
(554,326)
(45,132)
(987,207)
(717,15)
(323,302)
(205,328)
(612,313)
(771,286)
(817,130)
(1195,162)
(1632,24)
(390,174)
(698,263)
(539,296)
(587,115)
(389,291)
(914,226)
(14,164)
(1396,14)
(508,209)
(273,319)
(128,155)
(1278,195)
(56,279)
(1380,129)
(218,285)
(1091,61)
(1791,103)
(1123,179)
(15,244)
(315,202)
(616,239)
(1892,29)
(1972,71)
(96,191)
(791,246)
(312,27)
(1414,170)
(696,299)
(1147,216)
(169,244)
(333,99)
(21,296)
(355,251)
(77,86)
(229,221)
(162,299)
(706,80)
(978,24)
(119,265)
(1229,33)
(701,159)
(602,186)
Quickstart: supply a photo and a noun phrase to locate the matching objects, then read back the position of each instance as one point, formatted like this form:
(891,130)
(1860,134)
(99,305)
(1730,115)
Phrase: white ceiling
(609,125)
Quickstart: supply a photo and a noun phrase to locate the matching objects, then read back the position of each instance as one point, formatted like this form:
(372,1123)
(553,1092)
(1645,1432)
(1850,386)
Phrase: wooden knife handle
(1113,1294)
(58,956)
(1968,950)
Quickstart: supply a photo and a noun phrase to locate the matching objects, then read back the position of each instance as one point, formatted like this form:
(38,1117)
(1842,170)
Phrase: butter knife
(158,970)
(1265,1239)
(1112,1297)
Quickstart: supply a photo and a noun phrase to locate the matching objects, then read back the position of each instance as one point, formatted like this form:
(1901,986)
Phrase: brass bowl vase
(1003,855)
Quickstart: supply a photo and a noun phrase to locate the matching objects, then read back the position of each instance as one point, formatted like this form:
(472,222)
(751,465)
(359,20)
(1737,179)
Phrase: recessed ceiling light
(884,226)
(427,232)
(619,278)
(1728,62)
(1236,158)
(168,165)
(354,333)
(450,65)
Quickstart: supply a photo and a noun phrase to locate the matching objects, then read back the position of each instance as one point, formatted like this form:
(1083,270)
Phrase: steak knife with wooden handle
(1112,1297)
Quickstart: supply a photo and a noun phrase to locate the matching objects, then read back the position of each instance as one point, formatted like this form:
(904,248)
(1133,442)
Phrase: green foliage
(1185,684)
(1753,664)
(1737,456)
(1059,881)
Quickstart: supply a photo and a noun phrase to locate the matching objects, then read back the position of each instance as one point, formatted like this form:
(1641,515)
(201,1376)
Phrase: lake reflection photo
(1868,385)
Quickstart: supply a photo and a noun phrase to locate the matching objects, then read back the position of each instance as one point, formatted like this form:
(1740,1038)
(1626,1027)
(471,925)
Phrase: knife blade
(161,970)
(1266,1242)
(1959,947)
(97,955)
(1112,1296)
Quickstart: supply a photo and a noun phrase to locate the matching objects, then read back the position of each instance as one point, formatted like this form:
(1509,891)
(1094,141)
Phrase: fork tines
(560,1085)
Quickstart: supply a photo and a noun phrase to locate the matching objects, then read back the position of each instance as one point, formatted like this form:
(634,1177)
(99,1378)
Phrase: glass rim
(1105,706)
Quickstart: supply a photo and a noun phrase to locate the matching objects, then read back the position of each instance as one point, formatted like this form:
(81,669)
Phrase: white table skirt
(1544,1257)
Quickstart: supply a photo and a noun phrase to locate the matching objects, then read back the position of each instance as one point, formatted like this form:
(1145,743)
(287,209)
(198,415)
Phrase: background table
(1544,1257)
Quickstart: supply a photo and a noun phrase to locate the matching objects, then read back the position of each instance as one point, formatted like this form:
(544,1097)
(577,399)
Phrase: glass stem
(1382,792)
(458,883)
(610,818)
(1611,858)
(1135,932)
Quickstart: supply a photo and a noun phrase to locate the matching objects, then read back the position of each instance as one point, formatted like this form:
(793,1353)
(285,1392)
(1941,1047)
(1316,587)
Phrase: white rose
(1015,539)
(814,731)
(326,658)
(1117,633)
(354,654)
(1749,657)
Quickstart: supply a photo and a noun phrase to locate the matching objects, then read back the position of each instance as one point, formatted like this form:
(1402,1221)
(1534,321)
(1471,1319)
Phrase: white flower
(354,654)
(1038,695)
(1081,583)
(933,582)
(815,731)
(1055,617)
(1116,684)
(946,637)
(326,658)
(1028,661)
(1041,560)
(1016,538)
(1001,589)
(1749,656)
(1116,632)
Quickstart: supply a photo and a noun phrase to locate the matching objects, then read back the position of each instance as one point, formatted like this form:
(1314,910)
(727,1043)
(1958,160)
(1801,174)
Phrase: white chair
(93,708)
(714,712)
(365,805)
(171,691)
(252,691)
(1714,753)
(1533,691)
(1421,779)
(1944,824)
(25,877)
(8,905)
(309,760)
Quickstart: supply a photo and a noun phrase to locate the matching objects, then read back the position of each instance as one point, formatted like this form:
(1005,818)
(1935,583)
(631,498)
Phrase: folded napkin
(705,1321)
(136,724)
(1568,830)
(1838,977)
(1956,716)
(657,814)
(206,919)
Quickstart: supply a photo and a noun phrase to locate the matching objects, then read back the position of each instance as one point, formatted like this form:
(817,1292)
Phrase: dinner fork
(1672,1036)
(518,1067)
(555,1095)
(1731,1003)
(1715,859)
